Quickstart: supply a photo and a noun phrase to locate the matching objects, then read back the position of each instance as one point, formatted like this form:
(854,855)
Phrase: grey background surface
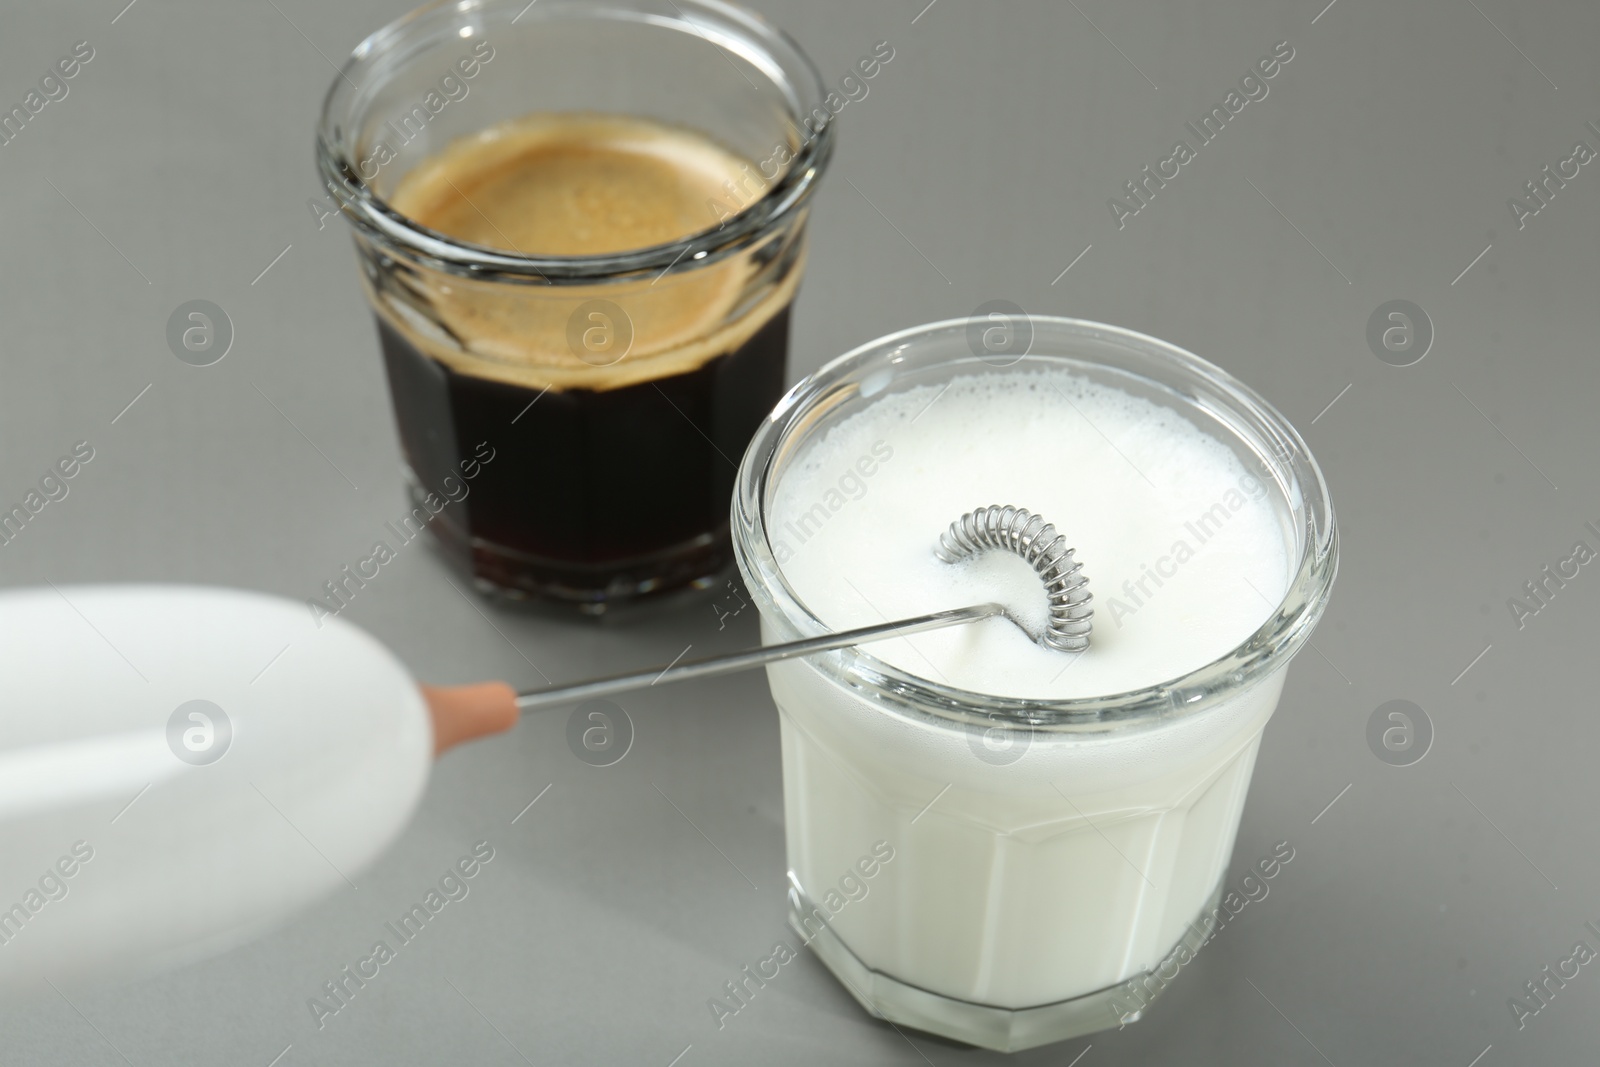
(978,168)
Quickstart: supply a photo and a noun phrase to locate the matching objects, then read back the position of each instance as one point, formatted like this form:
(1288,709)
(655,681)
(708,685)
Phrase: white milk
(1044,872)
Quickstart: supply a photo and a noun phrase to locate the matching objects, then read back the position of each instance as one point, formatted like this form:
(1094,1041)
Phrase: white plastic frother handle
(180,767)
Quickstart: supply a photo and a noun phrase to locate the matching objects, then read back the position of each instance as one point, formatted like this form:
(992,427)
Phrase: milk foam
(1185,550)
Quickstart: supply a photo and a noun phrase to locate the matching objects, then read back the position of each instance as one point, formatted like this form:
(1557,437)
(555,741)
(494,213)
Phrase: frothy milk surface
(1184,548)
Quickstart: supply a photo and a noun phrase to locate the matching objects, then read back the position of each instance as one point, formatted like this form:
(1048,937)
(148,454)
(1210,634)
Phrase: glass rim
(373,218)
(1268,648)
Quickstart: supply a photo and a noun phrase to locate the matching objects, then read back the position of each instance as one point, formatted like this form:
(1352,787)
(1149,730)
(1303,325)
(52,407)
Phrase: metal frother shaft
(1005,528)
(712,666)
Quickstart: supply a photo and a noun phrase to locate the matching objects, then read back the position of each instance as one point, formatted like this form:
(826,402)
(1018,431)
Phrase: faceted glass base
(1001,1029)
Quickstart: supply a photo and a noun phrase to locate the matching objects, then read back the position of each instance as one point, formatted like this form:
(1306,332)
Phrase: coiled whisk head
(1020,531)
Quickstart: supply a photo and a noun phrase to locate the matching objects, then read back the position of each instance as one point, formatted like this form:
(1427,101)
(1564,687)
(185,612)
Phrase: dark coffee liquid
(588,490)
(594,479)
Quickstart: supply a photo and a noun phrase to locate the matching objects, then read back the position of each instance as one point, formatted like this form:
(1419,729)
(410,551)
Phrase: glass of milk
(989,839)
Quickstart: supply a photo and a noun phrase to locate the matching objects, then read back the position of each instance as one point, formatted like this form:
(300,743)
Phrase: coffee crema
(583,185)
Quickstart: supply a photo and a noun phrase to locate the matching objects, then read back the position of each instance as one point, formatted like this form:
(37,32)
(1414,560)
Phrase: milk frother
(181,767)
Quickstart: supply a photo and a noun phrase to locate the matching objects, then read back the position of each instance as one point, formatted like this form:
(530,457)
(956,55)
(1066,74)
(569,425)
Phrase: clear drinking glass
(1003,919)
(571,424)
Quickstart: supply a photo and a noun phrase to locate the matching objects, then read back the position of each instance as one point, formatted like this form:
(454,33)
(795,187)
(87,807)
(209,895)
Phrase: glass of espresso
(580,226)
